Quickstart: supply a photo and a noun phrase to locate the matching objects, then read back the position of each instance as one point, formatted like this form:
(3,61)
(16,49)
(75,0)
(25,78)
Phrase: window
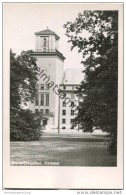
(64,104)
(72,87)
(47,87)
(47,99)
(37,86)
(63,121)
(36,110)
(45,43)
(72,112)
(72,95)
(37,100)
(72,121)
(42,111)
(63,112)
(42,99)
(42,87)
(46,111)
(64,87)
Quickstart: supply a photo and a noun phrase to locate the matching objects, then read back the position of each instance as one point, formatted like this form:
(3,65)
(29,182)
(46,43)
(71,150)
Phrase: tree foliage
(23,78)
(24,125)
(95,34)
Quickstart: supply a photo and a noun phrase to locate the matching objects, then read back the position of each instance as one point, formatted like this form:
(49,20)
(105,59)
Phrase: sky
(22,20)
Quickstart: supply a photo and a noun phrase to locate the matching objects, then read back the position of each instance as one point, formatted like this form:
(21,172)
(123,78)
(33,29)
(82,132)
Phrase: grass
(62,150)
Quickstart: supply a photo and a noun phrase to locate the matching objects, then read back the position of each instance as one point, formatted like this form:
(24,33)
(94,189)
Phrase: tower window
(37,100)
(42,99)
(64,87)
(47,99)
(45,41)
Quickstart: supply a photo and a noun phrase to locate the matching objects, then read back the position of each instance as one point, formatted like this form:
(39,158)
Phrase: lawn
(62,150)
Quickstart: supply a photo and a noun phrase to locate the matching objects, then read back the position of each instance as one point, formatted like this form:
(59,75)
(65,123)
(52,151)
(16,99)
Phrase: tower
(51,65)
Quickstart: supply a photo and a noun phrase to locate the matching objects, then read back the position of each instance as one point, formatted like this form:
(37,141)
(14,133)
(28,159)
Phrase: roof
(49,53)
(47,32)
(73,77)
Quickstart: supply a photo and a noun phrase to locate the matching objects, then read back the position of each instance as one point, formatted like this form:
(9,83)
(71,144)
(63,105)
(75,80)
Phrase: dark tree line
(99,88)
(24,125)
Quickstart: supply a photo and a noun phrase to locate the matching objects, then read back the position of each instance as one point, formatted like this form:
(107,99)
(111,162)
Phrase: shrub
(24,126)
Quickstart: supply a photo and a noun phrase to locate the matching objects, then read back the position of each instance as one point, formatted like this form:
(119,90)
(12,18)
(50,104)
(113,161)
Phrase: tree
(24,125)
(99,89)
(23,78)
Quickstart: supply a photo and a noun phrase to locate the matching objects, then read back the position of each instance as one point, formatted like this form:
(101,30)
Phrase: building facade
(68,105)
(55,87)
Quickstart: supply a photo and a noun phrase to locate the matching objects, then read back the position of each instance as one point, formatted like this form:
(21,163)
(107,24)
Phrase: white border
(64,177)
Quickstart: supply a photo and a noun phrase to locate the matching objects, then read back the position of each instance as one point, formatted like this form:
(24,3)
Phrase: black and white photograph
(63,80)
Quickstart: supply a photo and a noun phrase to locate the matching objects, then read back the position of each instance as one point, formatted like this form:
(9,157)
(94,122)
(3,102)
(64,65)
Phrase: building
(68,106)
(55,87)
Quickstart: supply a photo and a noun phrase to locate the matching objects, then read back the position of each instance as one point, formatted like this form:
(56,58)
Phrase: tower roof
(72,77)
(47,32)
